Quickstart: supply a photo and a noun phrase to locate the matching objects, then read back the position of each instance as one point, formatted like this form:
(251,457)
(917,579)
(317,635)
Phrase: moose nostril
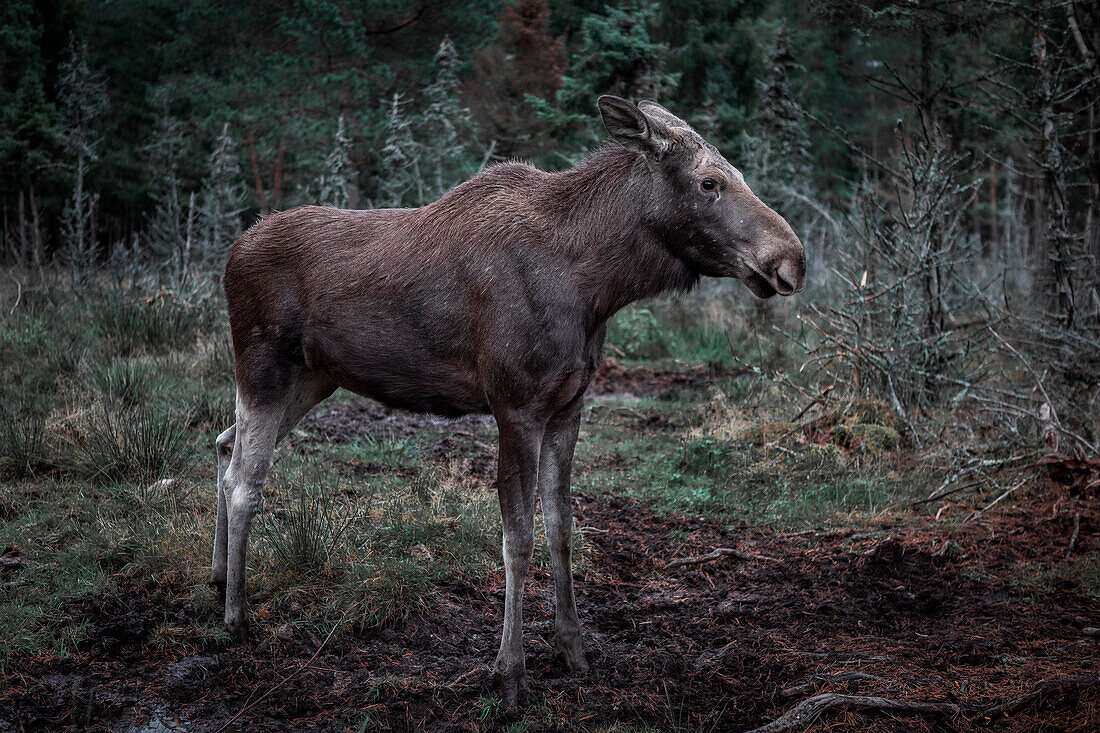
(784,287)
(786,278)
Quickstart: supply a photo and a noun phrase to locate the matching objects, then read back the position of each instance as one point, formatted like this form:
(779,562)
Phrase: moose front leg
(517,475)
(555,461)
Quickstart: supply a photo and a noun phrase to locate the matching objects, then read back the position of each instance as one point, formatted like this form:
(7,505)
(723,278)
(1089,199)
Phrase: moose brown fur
(493,299)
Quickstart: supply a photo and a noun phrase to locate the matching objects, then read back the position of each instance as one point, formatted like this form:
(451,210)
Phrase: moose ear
(631,127)
(654,111)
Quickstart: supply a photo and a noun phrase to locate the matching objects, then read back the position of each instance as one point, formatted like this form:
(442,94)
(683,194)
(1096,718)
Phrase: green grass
(385,449)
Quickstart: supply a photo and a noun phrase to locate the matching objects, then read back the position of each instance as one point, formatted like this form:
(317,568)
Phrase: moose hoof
(572,655)
(513,686)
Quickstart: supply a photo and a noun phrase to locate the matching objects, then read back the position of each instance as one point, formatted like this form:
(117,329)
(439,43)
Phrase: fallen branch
(250,703)
(1057,686)
(717,553)
(948,492)
(808,711)
(979,512)
(18,292)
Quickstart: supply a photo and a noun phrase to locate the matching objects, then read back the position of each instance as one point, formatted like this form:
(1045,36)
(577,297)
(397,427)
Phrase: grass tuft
(141,445)
(304,535)
(23,445)
(133,326)
(123,383)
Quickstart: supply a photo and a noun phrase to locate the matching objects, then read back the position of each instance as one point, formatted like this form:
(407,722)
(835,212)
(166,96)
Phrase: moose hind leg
(257,432)
(223,447)
(555,461)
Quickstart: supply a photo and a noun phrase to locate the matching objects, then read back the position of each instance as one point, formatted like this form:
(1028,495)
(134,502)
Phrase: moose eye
(708,184)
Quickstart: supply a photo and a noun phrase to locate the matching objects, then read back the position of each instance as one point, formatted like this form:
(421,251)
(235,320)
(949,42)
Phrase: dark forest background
(937,157)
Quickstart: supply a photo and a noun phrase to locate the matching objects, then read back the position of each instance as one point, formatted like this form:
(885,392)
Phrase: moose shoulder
(492,299)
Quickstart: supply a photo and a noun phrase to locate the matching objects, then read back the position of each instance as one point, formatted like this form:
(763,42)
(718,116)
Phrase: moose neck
(602,205)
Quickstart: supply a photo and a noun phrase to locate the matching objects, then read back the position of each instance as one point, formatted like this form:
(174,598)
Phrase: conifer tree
(83,97)
(400,169)
(166,234)
(445,124)
(526,62)
(223,200)
(336,180)
(779,114)
(616,55)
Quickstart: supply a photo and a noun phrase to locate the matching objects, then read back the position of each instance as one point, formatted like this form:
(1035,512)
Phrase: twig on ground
(819,400)
(949,492)
(1076,531)
(717,553)
(808,710)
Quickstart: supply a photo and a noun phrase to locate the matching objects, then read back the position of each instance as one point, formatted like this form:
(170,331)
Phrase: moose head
(701,206)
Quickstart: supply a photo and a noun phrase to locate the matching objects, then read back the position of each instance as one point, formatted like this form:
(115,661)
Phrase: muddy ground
(886,610)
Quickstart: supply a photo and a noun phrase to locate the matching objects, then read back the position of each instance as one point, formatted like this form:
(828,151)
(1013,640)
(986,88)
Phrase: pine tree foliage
(335,182)
(616,54)
(401,154)
(29,126)
(778,114)
(222,202)
(446,125)
(83,97)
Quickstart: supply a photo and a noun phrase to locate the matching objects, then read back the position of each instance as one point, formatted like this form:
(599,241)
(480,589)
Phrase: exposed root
(808,711)
(1053,687)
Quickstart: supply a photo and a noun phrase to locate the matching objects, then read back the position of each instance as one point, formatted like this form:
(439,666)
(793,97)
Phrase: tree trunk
(22,251)
(253,158)
(1053,199)
(36,234)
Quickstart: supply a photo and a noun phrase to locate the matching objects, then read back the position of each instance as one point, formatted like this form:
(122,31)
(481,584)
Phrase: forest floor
(991,614)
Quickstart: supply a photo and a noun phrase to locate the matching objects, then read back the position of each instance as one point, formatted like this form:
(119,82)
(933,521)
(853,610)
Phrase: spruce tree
(526,62)
(778,114)
(616,55)
(223,200)
(400,169)
(166,235)
(445,124)
(335,182)
(83,97)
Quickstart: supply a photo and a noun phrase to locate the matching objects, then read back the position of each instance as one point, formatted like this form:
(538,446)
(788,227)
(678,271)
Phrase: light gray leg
(257,432)
(555,461)
(517,476)
(223,447)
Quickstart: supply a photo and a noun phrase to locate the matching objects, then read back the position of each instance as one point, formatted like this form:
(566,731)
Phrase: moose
(494,299)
